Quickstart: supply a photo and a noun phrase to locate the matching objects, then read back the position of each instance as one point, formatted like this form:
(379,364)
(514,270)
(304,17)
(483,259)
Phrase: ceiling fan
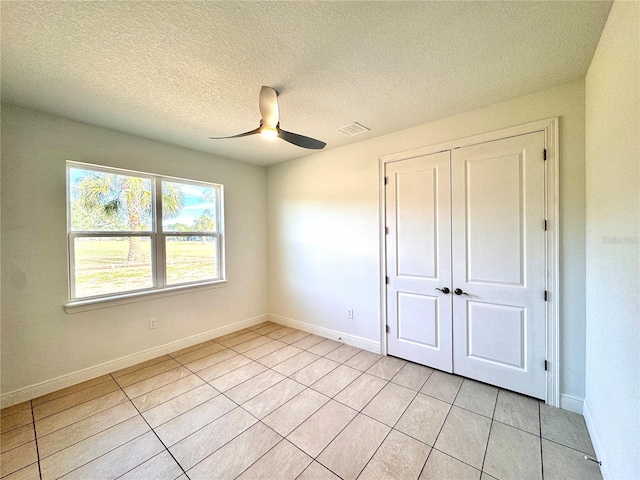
(270,123)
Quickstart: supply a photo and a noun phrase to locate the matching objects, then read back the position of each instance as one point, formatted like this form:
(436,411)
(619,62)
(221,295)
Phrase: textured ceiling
(180,72)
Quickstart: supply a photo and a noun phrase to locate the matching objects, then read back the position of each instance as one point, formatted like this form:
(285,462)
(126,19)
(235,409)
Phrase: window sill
(79,306)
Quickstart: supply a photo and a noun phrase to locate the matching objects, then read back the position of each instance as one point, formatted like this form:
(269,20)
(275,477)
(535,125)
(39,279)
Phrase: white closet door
(419,260)
(498,248)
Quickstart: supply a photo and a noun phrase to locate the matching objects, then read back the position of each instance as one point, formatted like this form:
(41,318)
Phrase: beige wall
(324,252)
(39,340)
(612,404)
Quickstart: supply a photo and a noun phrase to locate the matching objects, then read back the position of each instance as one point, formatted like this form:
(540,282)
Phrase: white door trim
(550,128)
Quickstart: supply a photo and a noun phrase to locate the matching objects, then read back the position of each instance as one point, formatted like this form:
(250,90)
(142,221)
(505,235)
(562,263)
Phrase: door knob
(457,291)
(444,290)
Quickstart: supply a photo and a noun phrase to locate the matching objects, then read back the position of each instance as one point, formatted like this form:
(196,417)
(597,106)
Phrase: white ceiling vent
(353,129)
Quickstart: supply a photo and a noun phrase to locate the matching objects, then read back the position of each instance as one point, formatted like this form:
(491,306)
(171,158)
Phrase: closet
(466,261)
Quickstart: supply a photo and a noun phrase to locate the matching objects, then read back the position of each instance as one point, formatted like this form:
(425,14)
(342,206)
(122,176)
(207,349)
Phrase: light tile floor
(271,402)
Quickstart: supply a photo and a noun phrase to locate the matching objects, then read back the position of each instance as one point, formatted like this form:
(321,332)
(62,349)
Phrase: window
(137,232)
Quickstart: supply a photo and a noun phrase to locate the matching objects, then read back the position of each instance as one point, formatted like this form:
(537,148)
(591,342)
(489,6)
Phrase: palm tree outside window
(135,232)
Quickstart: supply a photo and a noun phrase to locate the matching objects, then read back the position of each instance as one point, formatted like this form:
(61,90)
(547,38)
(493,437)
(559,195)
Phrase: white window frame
(157,237)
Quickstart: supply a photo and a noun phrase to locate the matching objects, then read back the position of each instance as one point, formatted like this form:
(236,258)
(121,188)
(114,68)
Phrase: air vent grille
(353,129)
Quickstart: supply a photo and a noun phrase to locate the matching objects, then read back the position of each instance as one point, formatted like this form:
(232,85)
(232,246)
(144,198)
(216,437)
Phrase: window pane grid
(107,265)
(107,260)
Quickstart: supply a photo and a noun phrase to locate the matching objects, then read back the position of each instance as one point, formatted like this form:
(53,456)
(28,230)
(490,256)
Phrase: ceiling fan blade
(269,107)
(245,134)
(301,140)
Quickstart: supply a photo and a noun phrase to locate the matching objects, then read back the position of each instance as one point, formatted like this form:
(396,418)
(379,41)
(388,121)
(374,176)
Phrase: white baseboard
(595,439)
(352,340)
(64,381)
(571,403)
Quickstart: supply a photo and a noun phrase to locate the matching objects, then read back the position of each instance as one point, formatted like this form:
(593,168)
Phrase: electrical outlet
(350,313)
(153,323)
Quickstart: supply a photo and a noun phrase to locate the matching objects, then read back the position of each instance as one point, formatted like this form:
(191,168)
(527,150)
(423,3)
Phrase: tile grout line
(179,365)
(441,427)
(247,380)
(167,360)
(230,440)
(68,394)
(270,368)
(332,440)
(392,428)
(169,399)
(339,391)
(540,426)
(493,413)
(186,411)
(103,454)
(396,422)
(184,364)
(376,451)
(99,456)
(291,399)
(356,416)
(308,466)
(219,394)
(125,400)
(155,433)
(195,372)
(200,346)
(90,436)
(112,374)
(204,426)
(282,437)
(147,460)
(19,426)
(333,398)
(22,444)
(415,394)
(253,361)
(500,422)
(81,403)
(306,387)
(423,383)
(566,446)
(327,468)
(35,438)
(192,408)
(297,355)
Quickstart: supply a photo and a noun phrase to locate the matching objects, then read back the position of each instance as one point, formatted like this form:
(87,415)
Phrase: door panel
(419,314)
(498,260)
(506,350)
(418,246)
(416,213)
(494,219)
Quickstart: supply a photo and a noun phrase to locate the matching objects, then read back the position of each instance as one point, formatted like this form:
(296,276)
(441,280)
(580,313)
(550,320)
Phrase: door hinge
(545,225)
(387,280)
(546,296)
(386,230)
(388,329)
(386,180)
(546,365)
(545,153)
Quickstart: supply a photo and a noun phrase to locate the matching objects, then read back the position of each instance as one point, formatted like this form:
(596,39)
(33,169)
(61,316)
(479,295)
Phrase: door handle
(444,290)
(457,291)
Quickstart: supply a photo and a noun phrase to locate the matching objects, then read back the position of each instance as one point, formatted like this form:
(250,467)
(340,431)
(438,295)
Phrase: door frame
(552,250)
